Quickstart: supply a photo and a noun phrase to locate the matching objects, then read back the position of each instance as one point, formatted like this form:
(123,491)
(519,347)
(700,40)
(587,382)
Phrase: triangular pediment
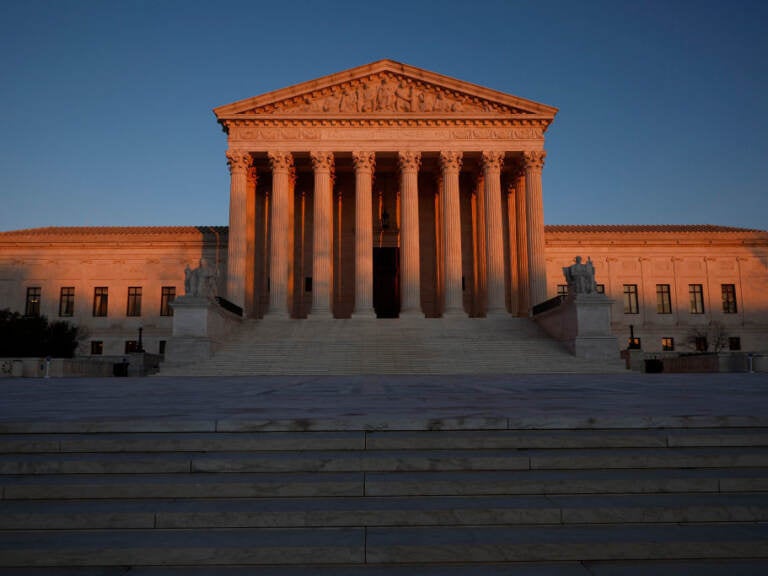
(384,88)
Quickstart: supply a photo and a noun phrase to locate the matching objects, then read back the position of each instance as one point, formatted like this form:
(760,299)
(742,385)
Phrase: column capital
(251,176)
(534,159)
(321,161)
(364,161)
(493,159)
(450,160)
(281,161)
(409,161)
(238,160)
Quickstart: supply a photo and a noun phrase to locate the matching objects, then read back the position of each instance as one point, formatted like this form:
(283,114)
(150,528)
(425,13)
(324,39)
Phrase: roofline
(385,65)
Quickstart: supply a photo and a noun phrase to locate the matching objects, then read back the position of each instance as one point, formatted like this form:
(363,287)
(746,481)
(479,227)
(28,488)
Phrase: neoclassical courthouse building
(388,191)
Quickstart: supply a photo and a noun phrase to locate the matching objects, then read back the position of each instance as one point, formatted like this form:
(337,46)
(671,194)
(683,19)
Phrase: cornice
(381,121)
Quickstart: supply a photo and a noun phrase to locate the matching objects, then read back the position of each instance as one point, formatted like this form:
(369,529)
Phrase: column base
(276,316)
(320,317)
(497,313)
(411,314)
(455,313)
(364,315)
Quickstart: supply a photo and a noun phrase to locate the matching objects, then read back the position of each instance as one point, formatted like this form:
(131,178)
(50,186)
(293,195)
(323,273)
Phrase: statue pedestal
(200,326)
(583,324)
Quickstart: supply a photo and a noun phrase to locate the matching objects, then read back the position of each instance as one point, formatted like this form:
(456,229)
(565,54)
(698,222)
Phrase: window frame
(100,301)
(667,344)
(728,292)
(663,299)
(696,298)
(133,304)
(167,295)
(631,300)
(32,301)
(66,302)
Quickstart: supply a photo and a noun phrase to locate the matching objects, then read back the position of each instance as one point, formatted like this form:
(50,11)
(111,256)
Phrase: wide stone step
(169,547)
(350,484)
(379,460)
(390,440)
(567,482)
(713,567)
(295,461)
(79,486)
(373,511)
(422,346)
(532,543)
(394,545)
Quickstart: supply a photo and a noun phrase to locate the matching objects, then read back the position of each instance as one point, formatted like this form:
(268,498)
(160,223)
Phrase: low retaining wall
(692,363)
(139,364)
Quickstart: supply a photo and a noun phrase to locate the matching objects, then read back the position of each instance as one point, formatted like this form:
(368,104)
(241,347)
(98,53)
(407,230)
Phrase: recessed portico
(385,156)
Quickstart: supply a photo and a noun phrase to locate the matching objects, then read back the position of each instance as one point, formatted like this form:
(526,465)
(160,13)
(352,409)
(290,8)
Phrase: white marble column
(365,163)
(450,163)
(322,243)
(494,233)
(537,268)
(512,240)
(239,162)
(251,179)
(410,282)
(282,166)
(521,238)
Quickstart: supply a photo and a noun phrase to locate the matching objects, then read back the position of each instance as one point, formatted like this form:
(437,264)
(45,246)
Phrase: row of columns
(528,209)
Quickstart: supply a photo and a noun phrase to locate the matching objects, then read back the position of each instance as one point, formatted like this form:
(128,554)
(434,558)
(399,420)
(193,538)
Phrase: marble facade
(328,174)
(387,191)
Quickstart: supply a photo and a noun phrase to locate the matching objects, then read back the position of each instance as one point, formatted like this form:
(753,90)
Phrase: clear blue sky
(106,106)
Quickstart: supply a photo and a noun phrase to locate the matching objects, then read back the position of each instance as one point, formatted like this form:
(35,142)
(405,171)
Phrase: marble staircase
(327,498)
(497,345)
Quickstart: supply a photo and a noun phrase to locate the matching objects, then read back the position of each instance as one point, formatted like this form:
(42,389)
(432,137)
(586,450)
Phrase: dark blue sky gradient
(106,106)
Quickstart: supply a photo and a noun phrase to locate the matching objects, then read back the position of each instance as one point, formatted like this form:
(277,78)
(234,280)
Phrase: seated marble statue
(580,277)
(200,282)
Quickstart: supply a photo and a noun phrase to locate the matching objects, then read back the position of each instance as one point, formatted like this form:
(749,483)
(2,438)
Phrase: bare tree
(704,337)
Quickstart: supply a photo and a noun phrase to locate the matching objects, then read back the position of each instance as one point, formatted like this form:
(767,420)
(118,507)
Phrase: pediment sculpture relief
(385,93)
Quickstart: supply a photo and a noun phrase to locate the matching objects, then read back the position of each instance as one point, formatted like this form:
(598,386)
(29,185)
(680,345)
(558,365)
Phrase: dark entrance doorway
(386,282)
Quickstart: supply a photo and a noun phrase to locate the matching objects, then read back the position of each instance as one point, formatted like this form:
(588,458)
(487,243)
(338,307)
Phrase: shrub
(34,336)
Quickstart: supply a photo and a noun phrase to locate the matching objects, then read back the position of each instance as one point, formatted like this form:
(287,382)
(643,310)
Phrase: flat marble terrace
(630,400)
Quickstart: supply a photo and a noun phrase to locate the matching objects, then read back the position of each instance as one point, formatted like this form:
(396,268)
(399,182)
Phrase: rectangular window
(729,298)
(131,346)
(562,289)
(667,344)
(134,301)
(67,301)
(167,296)
(630,299)
(97,347)
(701,344)
(32,307)
(161,347)
(663,299)
(696,293)
(600,288)
(734,343)
(100,301)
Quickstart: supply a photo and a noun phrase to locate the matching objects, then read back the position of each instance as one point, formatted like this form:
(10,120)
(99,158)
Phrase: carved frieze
(385,92)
